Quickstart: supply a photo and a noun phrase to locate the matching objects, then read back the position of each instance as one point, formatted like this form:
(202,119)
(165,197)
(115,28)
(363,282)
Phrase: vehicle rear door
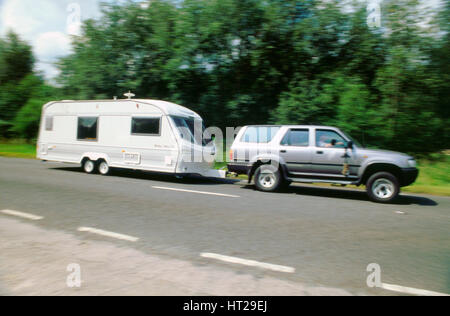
(296,151)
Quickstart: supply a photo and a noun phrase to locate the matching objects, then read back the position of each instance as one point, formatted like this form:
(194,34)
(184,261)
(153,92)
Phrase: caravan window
(146,126)
(191,129)
(87,128)
(49,123)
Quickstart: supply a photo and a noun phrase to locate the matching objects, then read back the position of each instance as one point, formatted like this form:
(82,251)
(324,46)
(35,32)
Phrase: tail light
(231,155)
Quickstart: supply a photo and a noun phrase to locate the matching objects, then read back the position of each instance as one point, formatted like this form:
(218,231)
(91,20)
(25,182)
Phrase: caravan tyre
(103,168)
(89,166)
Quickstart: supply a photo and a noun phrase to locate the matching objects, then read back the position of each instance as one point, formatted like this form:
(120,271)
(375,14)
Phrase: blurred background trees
(239,62)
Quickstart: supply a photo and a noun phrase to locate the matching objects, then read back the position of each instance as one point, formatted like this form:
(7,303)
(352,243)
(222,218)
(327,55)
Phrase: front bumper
(409,176)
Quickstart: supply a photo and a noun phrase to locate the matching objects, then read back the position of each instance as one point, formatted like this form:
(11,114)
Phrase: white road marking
(251,263)
(198,192)
(410,290)
(22,215)
(107,234)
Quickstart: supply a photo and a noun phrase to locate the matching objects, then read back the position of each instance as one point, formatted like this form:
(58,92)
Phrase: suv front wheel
(268,178)
(383,187)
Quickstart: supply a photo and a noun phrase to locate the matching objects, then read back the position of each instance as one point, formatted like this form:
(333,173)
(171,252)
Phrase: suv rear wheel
(268,178)
(383,187)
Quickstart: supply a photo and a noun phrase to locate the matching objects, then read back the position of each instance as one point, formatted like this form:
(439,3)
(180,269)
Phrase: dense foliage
(22,92)
(240,62)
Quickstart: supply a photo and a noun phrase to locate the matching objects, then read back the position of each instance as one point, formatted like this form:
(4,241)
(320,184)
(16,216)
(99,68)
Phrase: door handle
(283,151)
(319,152)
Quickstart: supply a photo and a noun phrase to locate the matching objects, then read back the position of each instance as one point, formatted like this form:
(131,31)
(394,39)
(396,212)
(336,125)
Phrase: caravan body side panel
(115,143)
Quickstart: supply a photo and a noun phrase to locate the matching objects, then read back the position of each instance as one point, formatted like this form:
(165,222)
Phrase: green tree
(16,63)
(16,59)
(127,48)
(13,95)
(357,112)
(308,102)
(406,85)
(26,122)
(242,62)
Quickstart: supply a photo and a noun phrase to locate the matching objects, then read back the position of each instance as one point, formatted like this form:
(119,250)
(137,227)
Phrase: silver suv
(279,155)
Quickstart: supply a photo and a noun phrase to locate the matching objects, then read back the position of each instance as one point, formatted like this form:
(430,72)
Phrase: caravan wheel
(103,168)
(89,166)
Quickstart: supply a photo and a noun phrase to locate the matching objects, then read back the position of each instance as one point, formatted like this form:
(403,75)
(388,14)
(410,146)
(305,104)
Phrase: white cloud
(49,70)
(50,45)
(46,24)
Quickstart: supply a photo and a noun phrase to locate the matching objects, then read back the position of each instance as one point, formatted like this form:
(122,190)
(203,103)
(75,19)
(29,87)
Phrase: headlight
(412,163)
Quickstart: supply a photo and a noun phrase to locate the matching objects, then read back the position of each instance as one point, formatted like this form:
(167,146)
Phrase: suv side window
(296,137)
(324,139)
(260,134)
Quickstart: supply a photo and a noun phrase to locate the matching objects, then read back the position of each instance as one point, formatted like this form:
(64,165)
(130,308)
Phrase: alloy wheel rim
(383,188)
(267,180)
(89,166)
(104,168)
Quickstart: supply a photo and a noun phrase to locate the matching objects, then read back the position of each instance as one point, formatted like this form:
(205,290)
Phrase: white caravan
(134,134)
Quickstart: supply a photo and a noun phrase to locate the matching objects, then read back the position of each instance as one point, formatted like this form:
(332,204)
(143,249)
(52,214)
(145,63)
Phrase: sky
(49,24)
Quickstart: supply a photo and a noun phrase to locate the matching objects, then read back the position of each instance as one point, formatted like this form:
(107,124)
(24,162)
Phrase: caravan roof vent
(129,95)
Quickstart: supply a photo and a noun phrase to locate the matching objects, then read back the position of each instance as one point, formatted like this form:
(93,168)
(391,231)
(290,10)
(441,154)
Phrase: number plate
(132,158)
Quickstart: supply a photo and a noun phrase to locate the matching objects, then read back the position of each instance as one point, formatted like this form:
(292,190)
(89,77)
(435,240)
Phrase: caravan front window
(191,129)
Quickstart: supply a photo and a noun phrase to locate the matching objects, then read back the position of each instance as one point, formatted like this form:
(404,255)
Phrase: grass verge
(18,150)
(434,176)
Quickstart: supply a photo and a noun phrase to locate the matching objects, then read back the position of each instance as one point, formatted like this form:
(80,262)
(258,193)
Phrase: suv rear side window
(260,134)
(296,137)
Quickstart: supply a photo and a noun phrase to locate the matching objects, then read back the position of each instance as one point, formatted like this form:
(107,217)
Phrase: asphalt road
(329,236)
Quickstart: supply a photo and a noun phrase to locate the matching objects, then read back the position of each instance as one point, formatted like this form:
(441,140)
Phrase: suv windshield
(191,129)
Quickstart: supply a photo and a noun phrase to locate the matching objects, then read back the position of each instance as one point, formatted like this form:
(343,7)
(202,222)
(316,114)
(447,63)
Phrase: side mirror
(350,145)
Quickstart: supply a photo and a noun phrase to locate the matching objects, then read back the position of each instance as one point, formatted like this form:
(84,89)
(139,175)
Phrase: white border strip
(410,290)
(22,215)
(107,234)
(250,263)
(198,192)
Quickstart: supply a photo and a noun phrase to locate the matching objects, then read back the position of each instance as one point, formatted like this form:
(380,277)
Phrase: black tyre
(383,187)
(285,184)
(268,178)
(89,166)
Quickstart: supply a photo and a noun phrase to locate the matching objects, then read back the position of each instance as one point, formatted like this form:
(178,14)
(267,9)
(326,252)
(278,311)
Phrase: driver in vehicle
(326,142)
